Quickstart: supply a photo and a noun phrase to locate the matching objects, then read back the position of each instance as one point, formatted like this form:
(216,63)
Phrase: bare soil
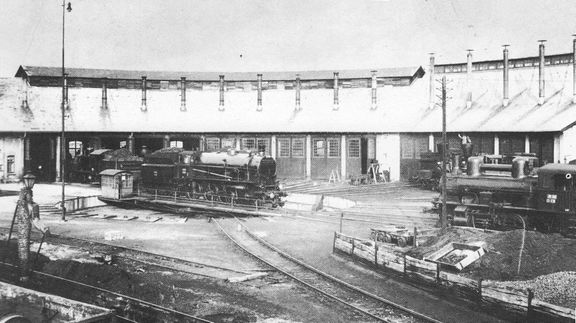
(547,263)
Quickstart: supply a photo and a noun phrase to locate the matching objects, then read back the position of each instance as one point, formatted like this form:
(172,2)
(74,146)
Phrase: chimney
(469,78)
(541,82)
(432,89)
(143,107)
(259,85)
(104,94)
(574,69)
(221,103)
(374,91)
(506,69)
(298,87)
(336,101)
(182,93)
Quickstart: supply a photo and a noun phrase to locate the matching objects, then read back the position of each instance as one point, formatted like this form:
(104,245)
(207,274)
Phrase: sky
(276,35)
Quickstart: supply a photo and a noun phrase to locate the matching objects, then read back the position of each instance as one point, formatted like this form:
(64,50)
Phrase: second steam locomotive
(516,195)
(236,177)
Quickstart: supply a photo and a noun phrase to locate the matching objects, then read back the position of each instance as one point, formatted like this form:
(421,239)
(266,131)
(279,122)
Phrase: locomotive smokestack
(574,69)
(469,78)
(431,90)
(506,84)
(541,83)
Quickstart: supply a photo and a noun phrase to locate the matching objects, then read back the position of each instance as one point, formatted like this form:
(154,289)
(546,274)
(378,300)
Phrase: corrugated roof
(400,72)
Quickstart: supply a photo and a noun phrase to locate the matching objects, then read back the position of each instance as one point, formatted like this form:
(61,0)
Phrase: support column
(308,157)
(527,144)
(58,159)
(343,159)
(166,141)
(557,148)
(131,143)
(273,147)
(431,143)
(505,76)
(496,145)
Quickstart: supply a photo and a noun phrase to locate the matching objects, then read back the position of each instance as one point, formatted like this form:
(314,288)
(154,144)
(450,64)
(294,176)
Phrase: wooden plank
(554,310)
(450,279)
(512,296)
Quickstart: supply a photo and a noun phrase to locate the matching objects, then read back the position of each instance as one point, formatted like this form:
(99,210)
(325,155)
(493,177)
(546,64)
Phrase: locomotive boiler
(518,195)
(237,177)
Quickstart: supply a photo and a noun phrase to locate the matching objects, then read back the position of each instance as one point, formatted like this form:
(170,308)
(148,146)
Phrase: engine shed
(116,183)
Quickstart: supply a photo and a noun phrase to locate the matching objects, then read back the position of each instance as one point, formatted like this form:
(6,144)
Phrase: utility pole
(443,218)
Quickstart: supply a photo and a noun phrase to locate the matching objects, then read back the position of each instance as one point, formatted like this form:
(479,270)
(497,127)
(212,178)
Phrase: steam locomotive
(237,177)
(517,195)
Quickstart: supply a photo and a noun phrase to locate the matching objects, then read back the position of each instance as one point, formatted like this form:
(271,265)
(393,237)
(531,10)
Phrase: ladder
(334,177)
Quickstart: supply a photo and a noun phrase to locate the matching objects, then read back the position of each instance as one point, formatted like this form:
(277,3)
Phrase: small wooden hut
(116,183)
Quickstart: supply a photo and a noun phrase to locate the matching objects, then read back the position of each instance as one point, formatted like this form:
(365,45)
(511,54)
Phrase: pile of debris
(547,264)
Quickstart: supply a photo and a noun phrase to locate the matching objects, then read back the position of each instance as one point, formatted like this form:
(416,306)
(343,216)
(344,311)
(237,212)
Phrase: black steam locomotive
(517,195)
(236,177)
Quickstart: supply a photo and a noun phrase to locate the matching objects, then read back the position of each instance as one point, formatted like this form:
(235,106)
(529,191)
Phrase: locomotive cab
(557,188)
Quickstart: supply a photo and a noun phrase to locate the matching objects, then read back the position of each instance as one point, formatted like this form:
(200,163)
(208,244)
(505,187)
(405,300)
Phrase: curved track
(370,306)
(128,309)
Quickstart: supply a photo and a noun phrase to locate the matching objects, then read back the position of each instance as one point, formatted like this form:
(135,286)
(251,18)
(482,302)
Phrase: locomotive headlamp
(568,176)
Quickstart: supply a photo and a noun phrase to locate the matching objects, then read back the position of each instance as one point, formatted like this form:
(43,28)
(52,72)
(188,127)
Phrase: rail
(132,302)
(364,299)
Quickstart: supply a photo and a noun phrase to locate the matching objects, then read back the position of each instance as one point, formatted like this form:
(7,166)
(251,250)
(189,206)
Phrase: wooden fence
(517,301)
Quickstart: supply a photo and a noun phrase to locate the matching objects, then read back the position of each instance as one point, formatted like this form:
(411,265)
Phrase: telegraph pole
(443,218)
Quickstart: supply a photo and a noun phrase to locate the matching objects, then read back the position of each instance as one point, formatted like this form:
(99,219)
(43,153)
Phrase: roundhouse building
(312,122)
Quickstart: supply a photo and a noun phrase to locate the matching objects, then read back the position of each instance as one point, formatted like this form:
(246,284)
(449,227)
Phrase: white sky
(210,35)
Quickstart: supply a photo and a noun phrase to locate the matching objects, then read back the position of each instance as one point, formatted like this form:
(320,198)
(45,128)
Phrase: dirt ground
(547,264)
(270,299)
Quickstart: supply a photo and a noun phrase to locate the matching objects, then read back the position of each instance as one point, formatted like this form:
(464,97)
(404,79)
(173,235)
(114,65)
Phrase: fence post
(404,256)
(414,242)
(438,274)
(480,288)
(341,219)
(375,253)
(334,243)
(529,311)
(353,246)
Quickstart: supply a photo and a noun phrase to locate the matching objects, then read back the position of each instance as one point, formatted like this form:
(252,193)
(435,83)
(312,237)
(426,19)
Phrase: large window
(212,144)
(354,148)
(408,148)
(75,148)
(176,144)
(319,147)
(249,144)
(263,145)
(333,148)
(284,147)
(228,143)
(298,147)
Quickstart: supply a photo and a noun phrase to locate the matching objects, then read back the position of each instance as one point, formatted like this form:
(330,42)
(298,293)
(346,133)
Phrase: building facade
(311,122)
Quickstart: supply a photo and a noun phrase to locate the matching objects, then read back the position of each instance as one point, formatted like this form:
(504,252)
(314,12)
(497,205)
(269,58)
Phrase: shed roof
(394,72)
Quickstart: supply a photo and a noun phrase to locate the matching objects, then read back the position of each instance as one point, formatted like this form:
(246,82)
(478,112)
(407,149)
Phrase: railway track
(127,308)
(139,256)
(368,306)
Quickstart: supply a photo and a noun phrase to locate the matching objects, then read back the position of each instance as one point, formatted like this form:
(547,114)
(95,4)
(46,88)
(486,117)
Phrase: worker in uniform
(27,214)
